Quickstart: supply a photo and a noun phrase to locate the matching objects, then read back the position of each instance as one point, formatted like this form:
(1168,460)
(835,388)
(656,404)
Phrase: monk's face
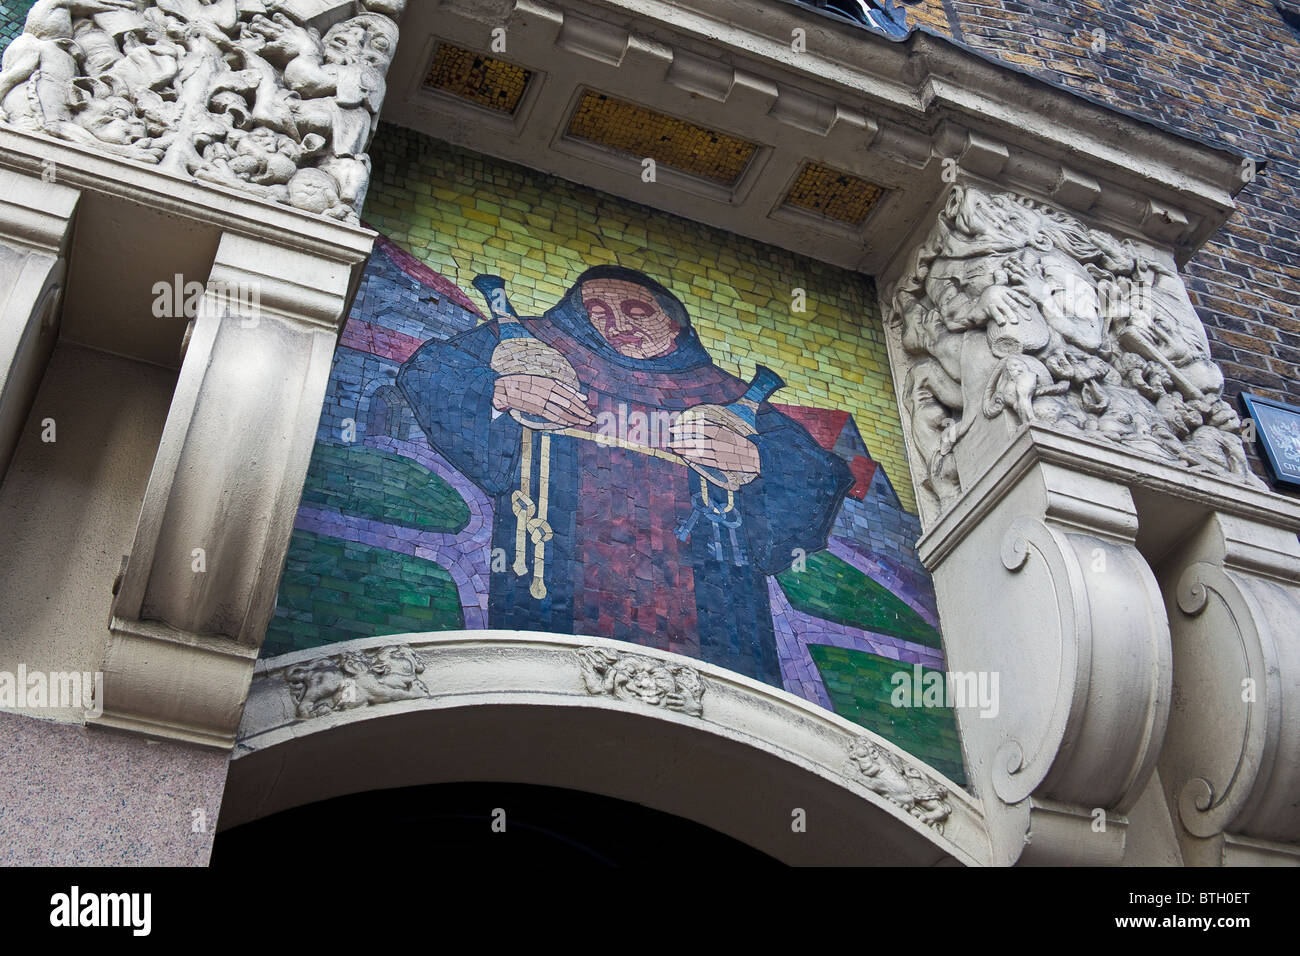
(629,318)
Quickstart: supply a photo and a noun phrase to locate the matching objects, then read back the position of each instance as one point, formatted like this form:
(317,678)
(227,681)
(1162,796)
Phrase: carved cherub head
(368,39)
(112,119)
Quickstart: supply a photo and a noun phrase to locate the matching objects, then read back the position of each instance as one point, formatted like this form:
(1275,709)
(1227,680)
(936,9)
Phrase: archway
(742,758)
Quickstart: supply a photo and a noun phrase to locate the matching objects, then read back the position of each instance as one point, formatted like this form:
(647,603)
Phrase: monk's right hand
(542,397)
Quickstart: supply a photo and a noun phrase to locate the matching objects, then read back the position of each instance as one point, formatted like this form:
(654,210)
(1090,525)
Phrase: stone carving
(900,783)
(245,93)
(356,679)
(1016,308)
(645,679)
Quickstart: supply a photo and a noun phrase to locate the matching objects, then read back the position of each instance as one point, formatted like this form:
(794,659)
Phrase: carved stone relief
(356,679)
(644,679)
(245,93)
(899,782)
(1014,308)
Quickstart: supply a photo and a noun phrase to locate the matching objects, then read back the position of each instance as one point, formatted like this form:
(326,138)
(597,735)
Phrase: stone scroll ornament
(644,679)
(244,93)
(356,679)
(1016,308)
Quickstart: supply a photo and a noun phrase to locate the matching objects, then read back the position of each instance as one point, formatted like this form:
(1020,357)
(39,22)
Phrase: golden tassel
(541,531)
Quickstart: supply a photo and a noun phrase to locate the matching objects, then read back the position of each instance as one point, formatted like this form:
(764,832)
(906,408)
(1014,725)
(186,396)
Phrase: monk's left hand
(714,446)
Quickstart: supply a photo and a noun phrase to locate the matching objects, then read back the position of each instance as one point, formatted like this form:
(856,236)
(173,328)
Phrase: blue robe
(615,566)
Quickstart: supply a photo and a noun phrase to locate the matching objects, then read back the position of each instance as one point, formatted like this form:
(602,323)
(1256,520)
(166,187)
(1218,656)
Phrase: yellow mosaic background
(677,143)
(832,193)
(463,213)
(489,82)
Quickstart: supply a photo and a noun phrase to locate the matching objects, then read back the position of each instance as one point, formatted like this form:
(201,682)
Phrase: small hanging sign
(1277,435)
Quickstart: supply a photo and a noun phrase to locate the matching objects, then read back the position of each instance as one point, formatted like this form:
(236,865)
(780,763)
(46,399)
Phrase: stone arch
(599,716)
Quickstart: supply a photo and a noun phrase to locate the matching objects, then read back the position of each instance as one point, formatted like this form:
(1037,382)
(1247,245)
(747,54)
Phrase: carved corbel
(1231,763)
(1013,312)
(36,220)
(198,589)
(1066,425)
(1041,588)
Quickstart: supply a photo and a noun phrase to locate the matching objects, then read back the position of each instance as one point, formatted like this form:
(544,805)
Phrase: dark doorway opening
(454,824)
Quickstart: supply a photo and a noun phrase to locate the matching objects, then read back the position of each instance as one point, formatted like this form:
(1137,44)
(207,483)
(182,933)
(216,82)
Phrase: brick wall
(1224,71)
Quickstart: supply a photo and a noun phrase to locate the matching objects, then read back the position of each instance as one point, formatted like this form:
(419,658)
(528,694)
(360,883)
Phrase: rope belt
(531,515)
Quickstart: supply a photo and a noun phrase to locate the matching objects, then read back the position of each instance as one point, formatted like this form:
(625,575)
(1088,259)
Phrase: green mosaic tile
(831,588)
(372,483)
(860,688)
(13,14)
(405,594)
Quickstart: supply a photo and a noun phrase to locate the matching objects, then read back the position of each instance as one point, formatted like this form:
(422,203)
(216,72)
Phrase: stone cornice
(1034,444)
(221,207)
(896,113)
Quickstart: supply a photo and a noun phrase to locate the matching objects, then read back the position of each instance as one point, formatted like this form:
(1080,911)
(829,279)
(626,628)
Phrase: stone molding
(484,669)
(36,222)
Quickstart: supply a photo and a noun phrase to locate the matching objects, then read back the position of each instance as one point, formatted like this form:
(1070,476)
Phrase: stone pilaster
(1068,433)
(36,218)
(198,589)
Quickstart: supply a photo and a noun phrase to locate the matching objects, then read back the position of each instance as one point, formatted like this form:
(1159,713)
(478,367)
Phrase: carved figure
(1016,308)
(356,679)
(247,95)
(900,783)
(634,677)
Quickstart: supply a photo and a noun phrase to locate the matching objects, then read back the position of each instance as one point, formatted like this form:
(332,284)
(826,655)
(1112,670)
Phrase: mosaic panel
(674,142)
(481,79)
(833,194)
(594,418)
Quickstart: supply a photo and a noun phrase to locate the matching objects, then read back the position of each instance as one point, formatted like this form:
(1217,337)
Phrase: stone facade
(1224,72)
(926,340)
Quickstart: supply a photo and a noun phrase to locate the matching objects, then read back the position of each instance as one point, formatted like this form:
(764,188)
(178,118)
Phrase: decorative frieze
(1016,312)
(885,773)
(645,679)
(278,99)
(356,679)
